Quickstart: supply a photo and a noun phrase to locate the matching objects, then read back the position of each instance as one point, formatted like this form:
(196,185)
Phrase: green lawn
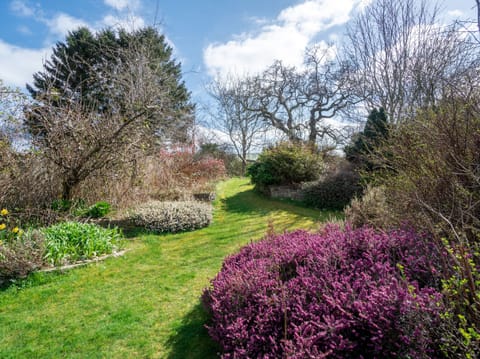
(146,303)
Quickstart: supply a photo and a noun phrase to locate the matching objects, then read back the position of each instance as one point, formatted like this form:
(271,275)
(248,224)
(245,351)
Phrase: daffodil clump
(9,231)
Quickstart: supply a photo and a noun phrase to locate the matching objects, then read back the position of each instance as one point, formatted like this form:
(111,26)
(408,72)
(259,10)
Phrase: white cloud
(18,64)
(363,4)
(25,30)
(455,13)
(62,23)
(283,39)
(21,8)
(122,4)
(129,22)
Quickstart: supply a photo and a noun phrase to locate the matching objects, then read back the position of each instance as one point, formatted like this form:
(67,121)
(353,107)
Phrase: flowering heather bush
(173,216)
(336,294)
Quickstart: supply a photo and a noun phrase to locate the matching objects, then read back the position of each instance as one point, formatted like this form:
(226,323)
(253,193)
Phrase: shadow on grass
(247,202)
(129,229)
(192,340)
(251,202)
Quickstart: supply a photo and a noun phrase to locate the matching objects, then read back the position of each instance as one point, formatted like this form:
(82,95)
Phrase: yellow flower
(3,226)
(4,212)
(15,230)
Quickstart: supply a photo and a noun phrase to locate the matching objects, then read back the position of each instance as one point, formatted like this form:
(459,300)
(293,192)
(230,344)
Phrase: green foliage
(334,192)
(286,164)
(68,242)
(61,205)
(98,210)
(173,216)
(363,144)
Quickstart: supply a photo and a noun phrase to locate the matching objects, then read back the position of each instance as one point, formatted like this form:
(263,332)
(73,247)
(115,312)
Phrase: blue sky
(209,36)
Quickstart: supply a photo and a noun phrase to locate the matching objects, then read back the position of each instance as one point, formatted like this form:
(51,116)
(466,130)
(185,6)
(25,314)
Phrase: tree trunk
(67,188)
(244,166)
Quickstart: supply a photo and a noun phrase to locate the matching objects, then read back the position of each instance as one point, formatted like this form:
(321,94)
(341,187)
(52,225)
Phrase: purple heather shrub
(334,294)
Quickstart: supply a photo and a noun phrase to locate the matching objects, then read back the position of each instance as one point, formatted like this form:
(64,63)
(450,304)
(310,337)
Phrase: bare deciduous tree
(404,59)
(81,141)
(298,101)
(244,128)
(12,103)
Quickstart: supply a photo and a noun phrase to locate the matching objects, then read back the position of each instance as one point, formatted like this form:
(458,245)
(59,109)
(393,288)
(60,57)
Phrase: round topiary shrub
(173,216)
(337,294)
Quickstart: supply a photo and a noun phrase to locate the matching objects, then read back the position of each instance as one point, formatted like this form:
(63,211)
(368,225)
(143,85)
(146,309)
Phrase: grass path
(146,303)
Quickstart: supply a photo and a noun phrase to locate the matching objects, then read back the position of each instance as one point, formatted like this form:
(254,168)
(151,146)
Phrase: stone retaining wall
(290,192)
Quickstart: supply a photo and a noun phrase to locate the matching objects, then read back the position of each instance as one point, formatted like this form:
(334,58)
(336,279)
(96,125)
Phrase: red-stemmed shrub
(336,294)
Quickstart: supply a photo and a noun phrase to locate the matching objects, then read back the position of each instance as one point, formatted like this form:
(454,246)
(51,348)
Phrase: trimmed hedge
(336,294)
(173,216)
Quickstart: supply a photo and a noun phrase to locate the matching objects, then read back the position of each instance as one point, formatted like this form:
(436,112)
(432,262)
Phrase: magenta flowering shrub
(336,294)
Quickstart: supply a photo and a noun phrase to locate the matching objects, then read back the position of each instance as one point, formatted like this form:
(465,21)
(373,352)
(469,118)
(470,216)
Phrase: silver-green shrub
(172,216)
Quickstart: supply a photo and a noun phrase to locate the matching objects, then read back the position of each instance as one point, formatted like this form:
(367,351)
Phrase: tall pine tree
(364,143)
(81,69)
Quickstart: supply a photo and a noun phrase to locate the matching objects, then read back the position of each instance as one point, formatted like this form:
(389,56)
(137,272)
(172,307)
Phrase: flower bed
(336,294)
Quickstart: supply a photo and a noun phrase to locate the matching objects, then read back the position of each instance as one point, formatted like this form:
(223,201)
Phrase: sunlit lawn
(145,304)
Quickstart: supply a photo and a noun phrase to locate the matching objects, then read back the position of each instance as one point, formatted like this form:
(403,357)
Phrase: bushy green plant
(98,210)
(364,143)
(285,164)
(20,255)
(72,241)
(173,216)
(65,205)
(335,191)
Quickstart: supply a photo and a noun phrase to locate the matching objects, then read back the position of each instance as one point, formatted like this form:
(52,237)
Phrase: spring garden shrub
(371,209)
(97,210)
(334,191)
(173,216)
(285,164)
(21,256)
(69,242)
(431,176)
(181,173)
(20,252)
(336,294)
